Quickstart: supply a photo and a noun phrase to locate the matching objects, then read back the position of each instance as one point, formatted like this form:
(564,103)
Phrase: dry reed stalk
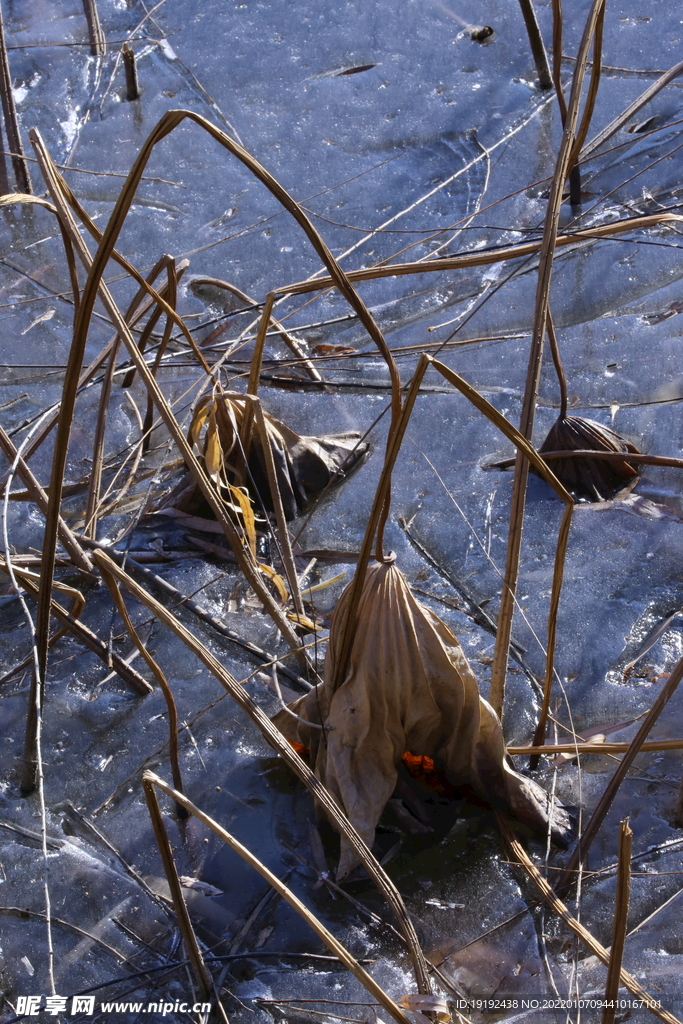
(199,968)
(255,372)
(519,854)
(94,286)
(277,741)
(483,258)
(605,802)
(105,250)
(276,498)
(135,311)
(90,226)
(9,110)
(93,496)
(557,57)
(38,495)
(613,127)
(125,558)
(340,951)
(165,126)
(536,42)
(589,107)
(634,457)
(87,637)
(142,302)
(292,343)
(174,275)
(155,668)
(383,486)
(134,456)
(539,463)
(519,486)
(98,42)
(21,198)
(678,810)
(620,922)
(588,747)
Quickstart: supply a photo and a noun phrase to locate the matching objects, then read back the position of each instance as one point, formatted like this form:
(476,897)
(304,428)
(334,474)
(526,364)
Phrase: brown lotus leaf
(408,687)
(304,466)
(586,477)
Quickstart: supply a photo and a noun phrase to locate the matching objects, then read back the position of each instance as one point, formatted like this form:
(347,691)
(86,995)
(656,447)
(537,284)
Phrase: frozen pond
(404,139)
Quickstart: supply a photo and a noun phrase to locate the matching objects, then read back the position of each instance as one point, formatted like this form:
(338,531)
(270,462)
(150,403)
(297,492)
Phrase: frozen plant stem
(194,955)
(132,87)
(98,43)
(526,426)
(620,920)
(160,678)
(536,43)
(11,123)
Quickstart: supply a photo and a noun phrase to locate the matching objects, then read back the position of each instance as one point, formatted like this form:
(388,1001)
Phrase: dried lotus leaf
(408,687)
(304,466)
(597,479)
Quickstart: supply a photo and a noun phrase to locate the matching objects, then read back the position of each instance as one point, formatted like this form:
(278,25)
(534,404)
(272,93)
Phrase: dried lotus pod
(408,686)
(304,466)
(597,479)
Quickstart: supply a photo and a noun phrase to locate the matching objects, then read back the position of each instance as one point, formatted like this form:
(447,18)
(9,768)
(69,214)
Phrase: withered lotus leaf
(596,479)
(304,466)
(408,687)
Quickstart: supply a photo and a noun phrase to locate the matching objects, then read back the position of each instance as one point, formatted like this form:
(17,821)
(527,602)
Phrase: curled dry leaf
(188,882)
(408,687)
(422,1004)
(304,466)
(596,479)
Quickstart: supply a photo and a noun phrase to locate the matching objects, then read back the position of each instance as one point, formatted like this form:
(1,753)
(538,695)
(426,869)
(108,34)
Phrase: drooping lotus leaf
(304,466)
(586,477)
(408,687)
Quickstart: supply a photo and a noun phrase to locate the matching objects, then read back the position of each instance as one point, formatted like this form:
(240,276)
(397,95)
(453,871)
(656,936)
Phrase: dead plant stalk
(277,741)
(620,922)
(150,780)
(518,499)
(519,854)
